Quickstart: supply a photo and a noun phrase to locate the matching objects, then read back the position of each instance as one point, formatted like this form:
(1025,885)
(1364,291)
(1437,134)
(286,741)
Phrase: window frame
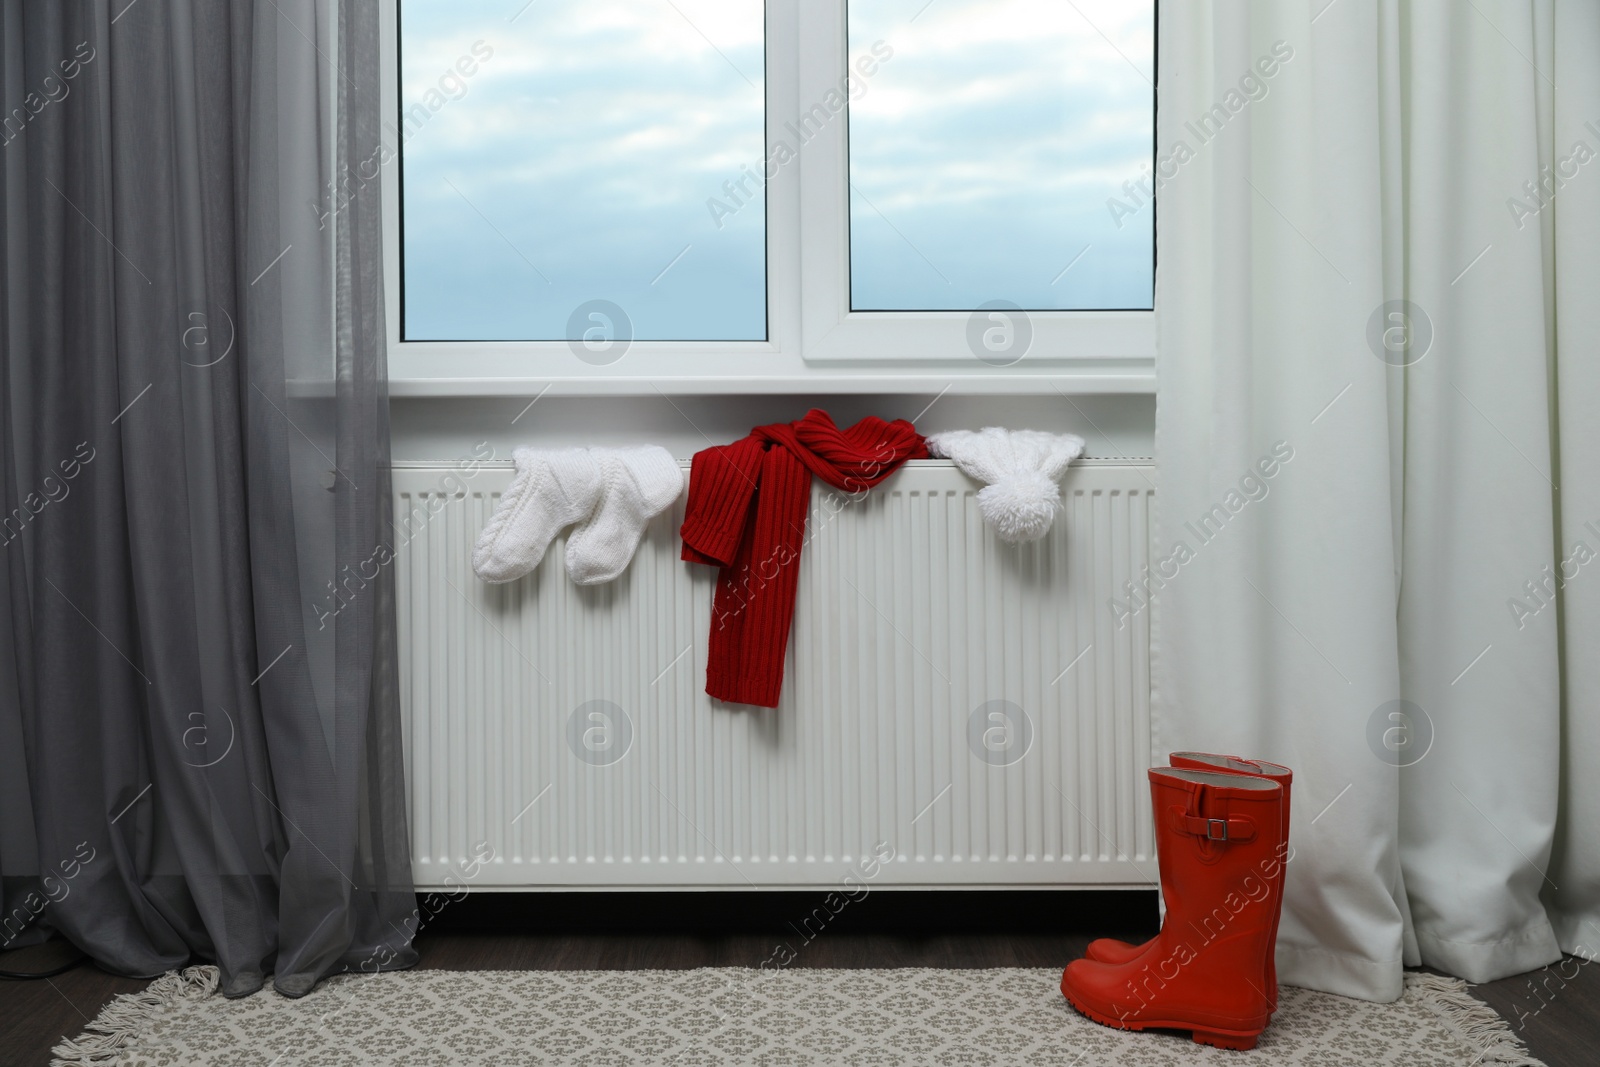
(815,343)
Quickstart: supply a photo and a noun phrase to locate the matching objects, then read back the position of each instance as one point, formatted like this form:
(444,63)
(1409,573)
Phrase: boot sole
(1238,1040)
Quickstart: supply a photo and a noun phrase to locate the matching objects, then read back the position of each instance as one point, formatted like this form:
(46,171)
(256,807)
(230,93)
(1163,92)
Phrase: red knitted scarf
(747,515)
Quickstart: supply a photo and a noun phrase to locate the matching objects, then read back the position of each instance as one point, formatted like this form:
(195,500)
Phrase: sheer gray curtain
(199,731)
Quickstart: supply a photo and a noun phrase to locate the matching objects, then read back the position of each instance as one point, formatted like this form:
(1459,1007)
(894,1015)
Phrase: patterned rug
(740,1016)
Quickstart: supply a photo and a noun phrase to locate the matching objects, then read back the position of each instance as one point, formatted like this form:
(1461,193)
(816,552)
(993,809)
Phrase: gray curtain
(199,730)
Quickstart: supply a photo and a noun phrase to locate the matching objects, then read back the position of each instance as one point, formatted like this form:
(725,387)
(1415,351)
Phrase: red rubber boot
(1110,950)
(1220,843)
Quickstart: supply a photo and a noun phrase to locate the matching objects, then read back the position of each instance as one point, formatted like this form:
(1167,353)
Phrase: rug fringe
(1472,1019)
(121,1022)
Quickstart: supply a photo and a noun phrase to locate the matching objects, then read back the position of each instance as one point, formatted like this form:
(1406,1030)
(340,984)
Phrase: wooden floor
(1557,1010)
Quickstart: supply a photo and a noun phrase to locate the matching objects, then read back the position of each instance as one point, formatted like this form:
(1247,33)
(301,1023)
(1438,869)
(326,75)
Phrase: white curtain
(1379,437)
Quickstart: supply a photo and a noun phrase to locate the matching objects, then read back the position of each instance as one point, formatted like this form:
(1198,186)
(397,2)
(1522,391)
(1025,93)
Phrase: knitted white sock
(639,484)
(551,490)
(1022,468)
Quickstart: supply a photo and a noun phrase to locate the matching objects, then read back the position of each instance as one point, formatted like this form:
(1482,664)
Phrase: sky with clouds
(574,162)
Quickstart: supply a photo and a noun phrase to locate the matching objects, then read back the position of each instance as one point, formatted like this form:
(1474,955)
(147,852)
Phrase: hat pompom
(1021,506)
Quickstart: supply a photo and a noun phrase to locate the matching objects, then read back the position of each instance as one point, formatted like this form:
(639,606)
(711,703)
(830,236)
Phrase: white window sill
(653,369)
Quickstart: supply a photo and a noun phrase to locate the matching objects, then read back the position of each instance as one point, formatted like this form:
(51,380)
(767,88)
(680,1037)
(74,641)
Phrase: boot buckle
(1221,831)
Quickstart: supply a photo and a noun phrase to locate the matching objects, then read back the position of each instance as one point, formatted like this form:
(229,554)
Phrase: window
(738,195)
(568,162)
(980,159)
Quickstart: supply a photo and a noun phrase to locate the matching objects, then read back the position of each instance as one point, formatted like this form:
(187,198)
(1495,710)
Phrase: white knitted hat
(1021,469)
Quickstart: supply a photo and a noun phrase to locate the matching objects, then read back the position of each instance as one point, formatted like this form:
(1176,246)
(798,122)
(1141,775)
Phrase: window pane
(984,150)
(566,152)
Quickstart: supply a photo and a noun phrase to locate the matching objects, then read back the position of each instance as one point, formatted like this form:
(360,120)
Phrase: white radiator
(972,705)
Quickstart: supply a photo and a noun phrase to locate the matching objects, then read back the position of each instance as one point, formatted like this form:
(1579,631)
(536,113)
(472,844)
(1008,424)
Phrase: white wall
(431,430)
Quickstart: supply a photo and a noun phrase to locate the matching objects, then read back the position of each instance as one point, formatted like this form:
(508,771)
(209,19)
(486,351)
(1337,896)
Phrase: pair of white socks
(611,492)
